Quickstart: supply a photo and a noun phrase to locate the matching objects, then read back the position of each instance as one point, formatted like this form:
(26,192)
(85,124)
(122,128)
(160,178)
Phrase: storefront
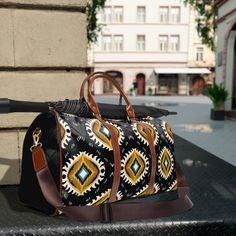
(180,81)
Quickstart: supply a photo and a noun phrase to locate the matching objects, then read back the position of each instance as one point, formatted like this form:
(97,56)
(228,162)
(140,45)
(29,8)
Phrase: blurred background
(152,48)
(170,54)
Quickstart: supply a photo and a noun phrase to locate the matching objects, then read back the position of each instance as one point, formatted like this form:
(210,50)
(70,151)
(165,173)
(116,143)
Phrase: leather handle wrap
(92,104)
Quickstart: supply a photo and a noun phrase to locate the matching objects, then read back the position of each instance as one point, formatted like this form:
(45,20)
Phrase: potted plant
(131,91)
(218,95)
(150,91)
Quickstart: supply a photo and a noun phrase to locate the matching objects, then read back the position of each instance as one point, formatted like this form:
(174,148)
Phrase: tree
(206,22)
(92,26)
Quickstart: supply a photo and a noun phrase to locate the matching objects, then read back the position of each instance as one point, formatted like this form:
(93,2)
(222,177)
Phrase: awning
(168,70)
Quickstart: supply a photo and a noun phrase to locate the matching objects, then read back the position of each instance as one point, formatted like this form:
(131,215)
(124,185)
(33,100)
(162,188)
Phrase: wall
(225,46)
(194,42)
(43,54)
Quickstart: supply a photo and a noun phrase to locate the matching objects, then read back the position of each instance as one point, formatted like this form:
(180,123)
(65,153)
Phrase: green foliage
(150,91)
(206,22)
(218,95)
(92,26)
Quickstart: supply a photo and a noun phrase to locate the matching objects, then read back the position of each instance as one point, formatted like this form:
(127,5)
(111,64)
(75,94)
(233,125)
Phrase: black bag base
(165,196)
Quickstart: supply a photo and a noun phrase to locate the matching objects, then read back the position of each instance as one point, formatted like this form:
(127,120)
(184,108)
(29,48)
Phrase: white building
(151,45)
(226,51)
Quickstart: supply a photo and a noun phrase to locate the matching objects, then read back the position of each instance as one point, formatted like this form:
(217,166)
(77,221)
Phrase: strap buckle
(105,213)
(36,138)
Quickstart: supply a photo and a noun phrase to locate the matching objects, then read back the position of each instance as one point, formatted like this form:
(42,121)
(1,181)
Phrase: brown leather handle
(91,102)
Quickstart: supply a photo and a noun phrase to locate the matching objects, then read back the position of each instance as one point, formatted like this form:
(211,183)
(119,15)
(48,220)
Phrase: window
(199,29)
(118,42)
(108,86)
(174,43)
(163,43)
(141,42)
(118,11)
(107,15)
(141,14)
(168,83)
(106,45)
(175,14)
(199,53)
(164,11)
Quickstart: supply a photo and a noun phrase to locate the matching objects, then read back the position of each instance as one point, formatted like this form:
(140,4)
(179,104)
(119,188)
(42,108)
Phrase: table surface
(213,188)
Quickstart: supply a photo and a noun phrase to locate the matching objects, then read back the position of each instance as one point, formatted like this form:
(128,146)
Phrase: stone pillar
(43,56)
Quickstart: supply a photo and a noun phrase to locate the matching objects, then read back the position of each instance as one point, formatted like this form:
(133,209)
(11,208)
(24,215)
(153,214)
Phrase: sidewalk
(193,123)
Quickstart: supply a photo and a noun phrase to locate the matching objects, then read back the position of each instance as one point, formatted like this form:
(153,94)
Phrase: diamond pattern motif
(165,163)
(135,166)
(83,173)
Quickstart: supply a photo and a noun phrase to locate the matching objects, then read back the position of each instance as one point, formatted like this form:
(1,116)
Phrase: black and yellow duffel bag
(93,168)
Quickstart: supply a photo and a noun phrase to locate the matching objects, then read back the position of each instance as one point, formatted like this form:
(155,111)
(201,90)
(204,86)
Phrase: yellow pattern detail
(169,131)
(90,165)
(174,186)
(143,133)
(102,199)
(166,163)
(97,125)
(134,156)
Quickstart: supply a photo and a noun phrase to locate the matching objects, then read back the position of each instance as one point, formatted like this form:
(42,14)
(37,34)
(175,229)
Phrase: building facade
(226,51)
(143,44)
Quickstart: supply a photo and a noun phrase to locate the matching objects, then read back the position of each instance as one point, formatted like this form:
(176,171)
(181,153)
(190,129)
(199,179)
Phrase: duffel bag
(96,169)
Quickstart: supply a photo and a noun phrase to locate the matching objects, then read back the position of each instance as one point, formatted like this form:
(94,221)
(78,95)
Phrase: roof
(168,70)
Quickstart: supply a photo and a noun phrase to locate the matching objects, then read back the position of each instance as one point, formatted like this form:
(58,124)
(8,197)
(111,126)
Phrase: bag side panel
(136,159)
(87,161)
(29,189)
(166,165)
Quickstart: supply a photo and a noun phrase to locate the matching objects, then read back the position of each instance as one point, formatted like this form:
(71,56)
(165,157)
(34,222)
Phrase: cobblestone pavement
(193,122)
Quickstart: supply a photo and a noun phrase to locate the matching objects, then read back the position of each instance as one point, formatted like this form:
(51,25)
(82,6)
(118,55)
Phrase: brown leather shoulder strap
(110,211)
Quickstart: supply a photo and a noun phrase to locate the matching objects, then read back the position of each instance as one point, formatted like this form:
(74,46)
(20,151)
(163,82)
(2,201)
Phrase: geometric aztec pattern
(168,132)
(82,173)
(142,192)
(141,134)
(134,166)
(101,135)
(65,132)
(88,160)
(165,163)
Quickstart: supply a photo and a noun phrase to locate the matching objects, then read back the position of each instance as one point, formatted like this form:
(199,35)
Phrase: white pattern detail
(156,188)
(141,191)
(119,196)
(68,187)
(140,137)
(163,125)
(169,164)
(89,124)
(67,133)
(124,161)
(99,197)
(172,186)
